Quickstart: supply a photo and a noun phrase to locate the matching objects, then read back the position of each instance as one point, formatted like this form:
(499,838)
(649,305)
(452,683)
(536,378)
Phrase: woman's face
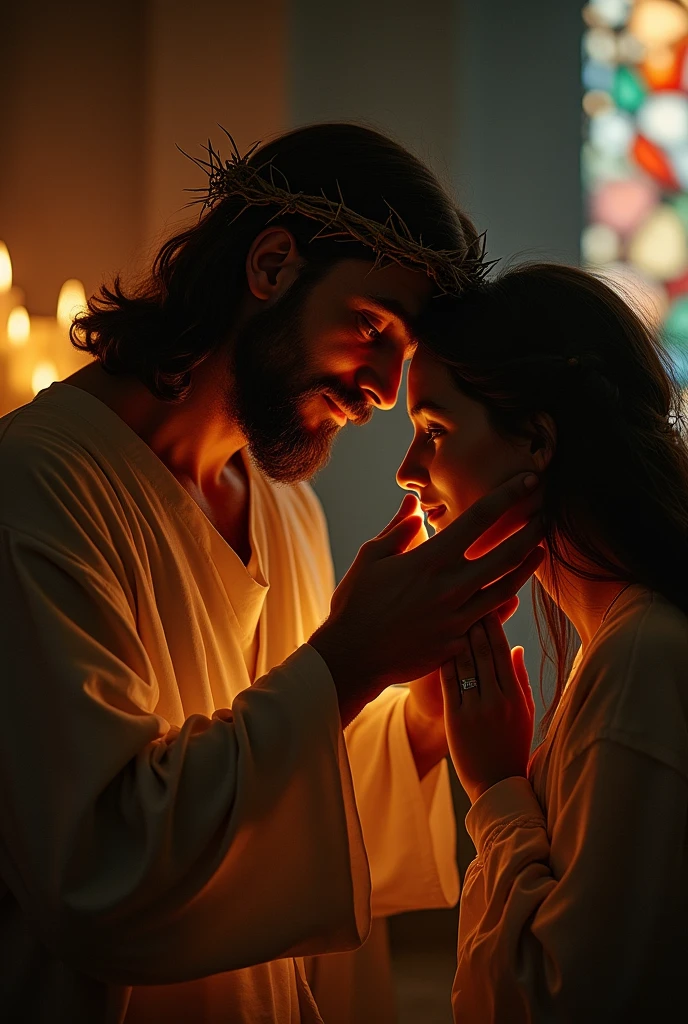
(456,455)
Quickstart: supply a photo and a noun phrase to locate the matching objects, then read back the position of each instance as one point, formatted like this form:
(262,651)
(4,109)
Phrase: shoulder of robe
(632,686)
(51,479)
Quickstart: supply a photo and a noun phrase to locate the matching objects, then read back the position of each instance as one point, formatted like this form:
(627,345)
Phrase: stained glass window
(635,155)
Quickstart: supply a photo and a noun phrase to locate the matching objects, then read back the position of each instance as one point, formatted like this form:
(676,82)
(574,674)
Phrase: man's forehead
(400,290)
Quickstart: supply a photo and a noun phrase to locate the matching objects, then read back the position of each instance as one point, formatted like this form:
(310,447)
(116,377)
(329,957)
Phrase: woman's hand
(489,726)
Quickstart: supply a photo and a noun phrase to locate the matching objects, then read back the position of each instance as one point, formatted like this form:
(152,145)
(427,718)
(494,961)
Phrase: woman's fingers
(451,691)
(484,663)
(519,663)
(468,681)
(501,655)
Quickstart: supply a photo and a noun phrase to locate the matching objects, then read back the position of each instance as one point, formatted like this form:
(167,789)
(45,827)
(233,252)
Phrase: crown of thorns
(452,270)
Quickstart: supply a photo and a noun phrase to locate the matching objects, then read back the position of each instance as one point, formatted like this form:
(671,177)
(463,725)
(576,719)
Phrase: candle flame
(43,376)
(72,300)
(5,269)
(18,326)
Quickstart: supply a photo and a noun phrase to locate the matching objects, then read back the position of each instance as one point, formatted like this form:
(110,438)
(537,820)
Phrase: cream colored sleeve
(408,825)
(568,929)
(145,855)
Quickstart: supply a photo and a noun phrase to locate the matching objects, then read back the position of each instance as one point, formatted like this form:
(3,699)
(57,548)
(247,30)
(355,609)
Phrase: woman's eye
(369,332)
(433,432)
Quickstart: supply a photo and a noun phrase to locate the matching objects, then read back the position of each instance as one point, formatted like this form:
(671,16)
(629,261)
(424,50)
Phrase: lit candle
(43,376)
(70,302)
(10,297)
(18,327)
(20,357)
(5,269)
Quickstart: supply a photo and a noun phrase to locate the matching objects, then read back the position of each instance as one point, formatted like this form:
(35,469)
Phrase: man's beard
(272,381)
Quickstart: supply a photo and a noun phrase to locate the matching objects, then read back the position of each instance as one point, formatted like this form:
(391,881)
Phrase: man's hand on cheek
(399,612)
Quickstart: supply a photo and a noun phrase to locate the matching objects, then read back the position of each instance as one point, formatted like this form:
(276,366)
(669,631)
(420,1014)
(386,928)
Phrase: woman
(576,907)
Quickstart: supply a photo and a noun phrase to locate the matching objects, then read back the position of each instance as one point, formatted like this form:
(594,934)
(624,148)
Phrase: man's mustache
(357,407)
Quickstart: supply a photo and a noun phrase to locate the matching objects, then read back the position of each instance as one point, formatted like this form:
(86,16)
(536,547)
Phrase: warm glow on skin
(456,455)
(358,327)
(196,440)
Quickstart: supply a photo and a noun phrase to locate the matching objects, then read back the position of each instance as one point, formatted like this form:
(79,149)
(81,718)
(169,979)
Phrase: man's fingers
(420,537)
(394,540)
(508,554)
(491,597)
(408,506)
(456,538)
(506,610)
(512,520)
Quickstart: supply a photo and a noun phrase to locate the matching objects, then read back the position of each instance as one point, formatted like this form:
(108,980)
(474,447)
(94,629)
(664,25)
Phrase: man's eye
(368,330)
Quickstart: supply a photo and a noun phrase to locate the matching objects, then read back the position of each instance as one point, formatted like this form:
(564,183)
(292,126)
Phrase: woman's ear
(272,264)
(544,440)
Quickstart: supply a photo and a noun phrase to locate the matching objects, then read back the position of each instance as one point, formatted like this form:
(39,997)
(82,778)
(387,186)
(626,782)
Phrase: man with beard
(179,826)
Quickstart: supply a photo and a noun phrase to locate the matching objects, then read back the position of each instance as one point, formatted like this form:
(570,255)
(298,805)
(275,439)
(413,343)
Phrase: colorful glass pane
(635,155)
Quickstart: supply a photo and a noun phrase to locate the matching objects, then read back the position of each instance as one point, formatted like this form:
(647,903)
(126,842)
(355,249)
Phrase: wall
(210,64)
(94,100)
(71,131)
(517,144)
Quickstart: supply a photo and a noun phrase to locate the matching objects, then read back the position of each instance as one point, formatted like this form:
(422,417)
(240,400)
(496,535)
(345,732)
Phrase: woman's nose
(411,474)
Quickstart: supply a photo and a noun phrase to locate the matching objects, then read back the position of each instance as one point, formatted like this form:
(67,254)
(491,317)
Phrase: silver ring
(470,683)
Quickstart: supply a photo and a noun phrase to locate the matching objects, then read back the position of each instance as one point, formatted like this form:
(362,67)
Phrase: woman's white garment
(576,908)
(163,820)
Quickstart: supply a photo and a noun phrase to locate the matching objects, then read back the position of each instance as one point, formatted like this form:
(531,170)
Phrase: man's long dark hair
(558,340)
(168,323)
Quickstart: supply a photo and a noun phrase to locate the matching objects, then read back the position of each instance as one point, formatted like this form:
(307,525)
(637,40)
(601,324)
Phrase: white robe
(576,906)
(150,836)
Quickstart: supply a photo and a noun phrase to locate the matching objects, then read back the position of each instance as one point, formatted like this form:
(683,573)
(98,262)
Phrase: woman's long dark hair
(164,327)
(553,339)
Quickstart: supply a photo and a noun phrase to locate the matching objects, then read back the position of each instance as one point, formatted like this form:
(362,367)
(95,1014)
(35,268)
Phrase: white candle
(43,375)
(10,297)
(20,358)
(70,302)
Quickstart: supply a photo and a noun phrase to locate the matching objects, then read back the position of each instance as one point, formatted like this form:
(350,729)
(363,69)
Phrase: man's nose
(381,379)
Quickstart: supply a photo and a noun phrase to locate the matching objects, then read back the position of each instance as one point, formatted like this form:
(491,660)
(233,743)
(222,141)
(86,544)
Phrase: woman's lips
(434,512)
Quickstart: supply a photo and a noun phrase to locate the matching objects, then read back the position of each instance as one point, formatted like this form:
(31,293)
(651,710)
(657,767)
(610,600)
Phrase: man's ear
(272,264)
(544,440)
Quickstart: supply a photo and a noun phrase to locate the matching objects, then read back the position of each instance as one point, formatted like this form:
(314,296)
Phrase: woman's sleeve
(576,926)
(150,855)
